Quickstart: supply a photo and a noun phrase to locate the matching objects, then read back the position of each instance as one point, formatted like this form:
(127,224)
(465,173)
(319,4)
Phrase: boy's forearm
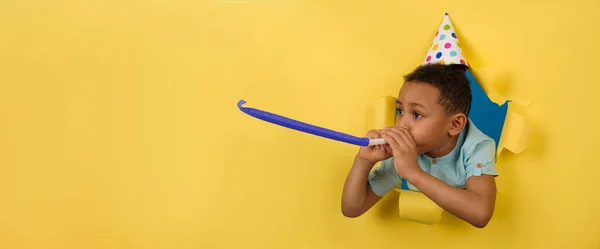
(355,191)
(464,204)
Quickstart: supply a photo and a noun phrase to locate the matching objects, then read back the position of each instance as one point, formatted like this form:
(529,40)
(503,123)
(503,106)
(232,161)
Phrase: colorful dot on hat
(442,62)
(428,58)
(446,27)
(435,47)
(454,35)
(438,55)
(442,37)
(453,53)
(463,62)
(452,63)
(447,45)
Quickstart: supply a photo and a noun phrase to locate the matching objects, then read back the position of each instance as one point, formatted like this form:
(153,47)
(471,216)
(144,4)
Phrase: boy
(433,146)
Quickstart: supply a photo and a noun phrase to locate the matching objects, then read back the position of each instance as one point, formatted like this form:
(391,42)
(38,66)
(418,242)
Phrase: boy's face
(419,110)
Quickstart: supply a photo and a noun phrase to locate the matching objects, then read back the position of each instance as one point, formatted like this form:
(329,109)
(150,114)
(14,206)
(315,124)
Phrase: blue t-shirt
(474,155)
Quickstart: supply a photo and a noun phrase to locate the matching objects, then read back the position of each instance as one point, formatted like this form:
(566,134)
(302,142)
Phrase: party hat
(445,48)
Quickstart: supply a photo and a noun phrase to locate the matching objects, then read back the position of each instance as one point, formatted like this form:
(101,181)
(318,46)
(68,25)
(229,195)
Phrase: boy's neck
(444,150)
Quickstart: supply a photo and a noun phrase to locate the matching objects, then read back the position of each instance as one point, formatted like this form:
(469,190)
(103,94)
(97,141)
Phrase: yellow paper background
(415,206)
(120,127)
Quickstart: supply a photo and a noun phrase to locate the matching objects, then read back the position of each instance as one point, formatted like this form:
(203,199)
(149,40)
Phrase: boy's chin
(421,150)
(426,150)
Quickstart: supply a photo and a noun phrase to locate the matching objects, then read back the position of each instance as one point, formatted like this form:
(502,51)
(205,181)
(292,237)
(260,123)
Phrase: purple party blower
(308,128)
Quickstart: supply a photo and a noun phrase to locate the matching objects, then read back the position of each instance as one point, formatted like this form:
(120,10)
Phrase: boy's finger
(388,149)
(373,134)
(395,144)
(397,135)
(391,141)
(406,136)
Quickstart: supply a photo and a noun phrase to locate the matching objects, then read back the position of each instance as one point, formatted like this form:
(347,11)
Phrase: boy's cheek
(421,143)
(417,137)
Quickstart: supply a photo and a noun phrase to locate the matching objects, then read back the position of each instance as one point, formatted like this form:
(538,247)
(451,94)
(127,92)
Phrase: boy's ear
(457,123)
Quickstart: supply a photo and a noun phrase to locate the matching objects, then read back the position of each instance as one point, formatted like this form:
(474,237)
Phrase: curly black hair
(455,90)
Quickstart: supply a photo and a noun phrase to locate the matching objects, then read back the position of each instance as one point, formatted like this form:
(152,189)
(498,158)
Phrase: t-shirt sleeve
(481,159)
(384,177)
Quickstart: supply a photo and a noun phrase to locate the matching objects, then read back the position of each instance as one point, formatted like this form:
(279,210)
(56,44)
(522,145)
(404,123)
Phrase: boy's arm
(357,196)
(475,204)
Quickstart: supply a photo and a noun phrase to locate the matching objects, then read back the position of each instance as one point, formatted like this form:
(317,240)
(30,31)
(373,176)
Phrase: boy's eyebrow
(412,104)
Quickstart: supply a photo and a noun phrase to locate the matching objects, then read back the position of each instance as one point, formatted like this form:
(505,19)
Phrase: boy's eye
(417,115)
(398,111)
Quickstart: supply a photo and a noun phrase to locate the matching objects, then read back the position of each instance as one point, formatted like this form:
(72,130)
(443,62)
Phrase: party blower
(308,128)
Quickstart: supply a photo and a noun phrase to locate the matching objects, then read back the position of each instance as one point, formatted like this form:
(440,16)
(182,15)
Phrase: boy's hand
(374,154)
(403,148)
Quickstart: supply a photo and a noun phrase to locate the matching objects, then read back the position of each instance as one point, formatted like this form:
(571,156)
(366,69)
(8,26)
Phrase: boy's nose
(403,122)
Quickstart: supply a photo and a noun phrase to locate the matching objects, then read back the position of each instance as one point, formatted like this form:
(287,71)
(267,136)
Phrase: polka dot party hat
(445,48)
